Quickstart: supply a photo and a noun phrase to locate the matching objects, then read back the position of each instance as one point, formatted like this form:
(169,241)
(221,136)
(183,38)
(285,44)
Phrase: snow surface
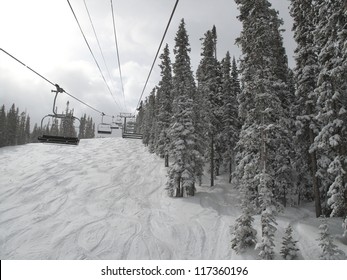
(105,199)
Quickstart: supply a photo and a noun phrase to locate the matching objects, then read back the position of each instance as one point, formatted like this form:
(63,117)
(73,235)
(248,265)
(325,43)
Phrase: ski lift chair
(58,139)
(104,128)
(114,124)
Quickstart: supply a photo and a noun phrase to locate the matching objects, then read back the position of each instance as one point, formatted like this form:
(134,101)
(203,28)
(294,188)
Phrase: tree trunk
(212,161)
(166,160)
(313,171)
(178,188)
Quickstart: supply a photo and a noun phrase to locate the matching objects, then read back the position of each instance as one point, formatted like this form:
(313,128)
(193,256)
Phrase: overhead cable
(90,49)
(44,78)
(116,41)
(156,56)
(97,39)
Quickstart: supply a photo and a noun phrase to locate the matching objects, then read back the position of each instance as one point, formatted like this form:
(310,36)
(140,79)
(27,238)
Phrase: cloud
(45,36)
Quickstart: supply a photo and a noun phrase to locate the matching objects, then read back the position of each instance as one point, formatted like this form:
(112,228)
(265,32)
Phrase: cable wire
(156,56)
(116,41)
(96,62)
(97,40)
(44,78)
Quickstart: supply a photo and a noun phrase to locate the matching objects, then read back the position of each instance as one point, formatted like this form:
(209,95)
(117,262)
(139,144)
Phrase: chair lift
(104,128)
(56,139)
(129,130)
(114,124)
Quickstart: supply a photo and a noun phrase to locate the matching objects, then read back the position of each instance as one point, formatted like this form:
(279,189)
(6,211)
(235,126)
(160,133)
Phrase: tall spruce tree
(264,138)
(186,158)
(264,143)
(82,129)
(305,72)
(165,105)
(289,250)
(231,124)
(209,94)
(329,249)
(3,126)
(331,141)
(12,126)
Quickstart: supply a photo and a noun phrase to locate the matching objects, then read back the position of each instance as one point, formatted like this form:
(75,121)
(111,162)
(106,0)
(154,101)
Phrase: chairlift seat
(132,135)
(104,128)
(53,139)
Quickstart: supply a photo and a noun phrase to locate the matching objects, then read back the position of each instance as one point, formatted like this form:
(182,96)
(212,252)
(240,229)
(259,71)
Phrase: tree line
(281,134)
(15,127)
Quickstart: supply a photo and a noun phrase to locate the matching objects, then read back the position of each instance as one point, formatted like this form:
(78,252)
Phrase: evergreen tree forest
(15,127)
(279,133)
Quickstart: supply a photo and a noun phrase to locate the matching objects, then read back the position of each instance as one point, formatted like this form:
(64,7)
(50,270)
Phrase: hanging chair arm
(58,90)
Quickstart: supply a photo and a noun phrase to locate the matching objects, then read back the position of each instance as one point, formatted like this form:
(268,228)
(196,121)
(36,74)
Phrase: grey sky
(44,35)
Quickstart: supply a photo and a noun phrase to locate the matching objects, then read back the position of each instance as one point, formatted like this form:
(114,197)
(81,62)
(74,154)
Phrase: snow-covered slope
(105,199)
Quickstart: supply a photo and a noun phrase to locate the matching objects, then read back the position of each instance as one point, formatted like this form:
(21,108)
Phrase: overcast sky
(45,36)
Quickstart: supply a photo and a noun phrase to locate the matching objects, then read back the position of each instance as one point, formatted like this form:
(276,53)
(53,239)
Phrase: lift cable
(53,84)
(96,62)
(97,40)
(116,41)
(156,56)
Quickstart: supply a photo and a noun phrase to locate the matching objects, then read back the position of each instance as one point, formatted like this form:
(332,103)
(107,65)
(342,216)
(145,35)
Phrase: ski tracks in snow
(104,199)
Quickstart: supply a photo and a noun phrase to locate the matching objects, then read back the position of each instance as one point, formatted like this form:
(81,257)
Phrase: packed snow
(106,199)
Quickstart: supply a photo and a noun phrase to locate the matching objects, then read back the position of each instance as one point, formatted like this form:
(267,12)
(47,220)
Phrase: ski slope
(105,199)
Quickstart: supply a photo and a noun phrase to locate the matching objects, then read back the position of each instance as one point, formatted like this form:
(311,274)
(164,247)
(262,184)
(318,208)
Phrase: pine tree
(268,223)
(289,250)
(12,126)
(21,129)
(243,233)
(331,141)
(181,173)
(262,103)
(165,105)
(329,249)
(209,94)
(35,133)
(305,72)
(231,125)
(90,128)
(82,129)
(3,127)
(149,121)
(27,130)
(186,158)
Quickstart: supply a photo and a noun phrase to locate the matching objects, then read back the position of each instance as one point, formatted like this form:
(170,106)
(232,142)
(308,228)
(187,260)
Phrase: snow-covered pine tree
(242,232)
(21,129)
(12,124)
(148,120)
(305,73)
(3,126)
(82,130)
(261,102)
(140,118)
(268,212)
(329,249)
(27,130)
(331,141)
(90,128)
(165,106)
(187,163)
(181,173)
(231,125)
(289,250)
(209,95)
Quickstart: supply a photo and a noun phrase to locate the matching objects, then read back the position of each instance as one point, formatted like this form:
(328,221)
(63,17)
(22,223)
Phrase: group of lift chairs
(128,127)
